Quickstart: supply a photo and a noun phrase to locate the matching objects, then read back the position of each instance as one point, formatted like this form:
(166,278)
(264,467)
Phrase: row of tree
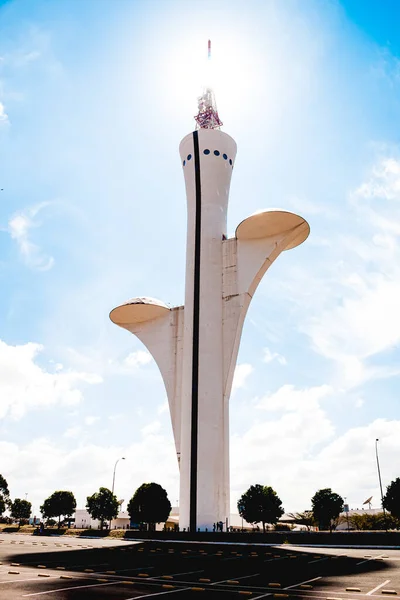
(19,509)
(150,505)
(261,504)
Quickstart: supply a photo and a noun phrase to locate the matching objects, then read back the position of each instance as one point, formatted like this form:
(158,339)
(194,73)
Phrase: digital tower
(196,345)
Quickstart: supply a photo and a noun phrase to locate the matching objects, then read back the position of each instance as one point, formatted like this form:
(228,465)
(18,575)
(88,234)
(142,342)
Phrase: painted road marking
(275,559)
(368,559)
(310,562)
(185,573)
(263,595)
(25,579)
(289,587)
(237,579)
(378,587)
(146,568)
(160,593)
(75,587)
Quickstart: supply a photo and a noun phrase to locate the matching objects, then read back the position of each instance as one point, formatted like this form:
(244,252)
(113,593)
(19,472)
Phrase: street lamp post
(115,466)
(346,509)
(113,483)
(380,480)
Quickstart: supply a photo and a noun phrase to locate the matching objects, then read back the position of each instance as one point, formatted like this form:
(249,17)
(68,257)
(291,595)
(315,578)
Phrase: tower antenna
(207,117)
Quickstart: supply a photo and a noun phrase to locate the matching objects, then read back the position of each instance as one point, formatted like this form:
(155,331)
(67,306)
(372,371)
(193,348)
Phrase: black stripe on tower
(196,330)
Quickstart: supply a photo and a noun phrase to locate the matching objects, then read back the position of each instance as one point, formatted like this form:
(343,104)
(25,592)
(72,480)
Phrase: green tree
(373,522)
(2,505)
(260,504)
(58,504)
(4,493)
(326,506)
(149,504)
(21,509)
(102,505)
(303,518)
(391,500)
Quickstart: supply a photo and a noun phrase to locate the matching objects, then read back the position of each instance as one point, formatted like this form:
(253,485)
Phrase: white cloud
(242,372)
(362,325)
(25,386)
(307,206)
(138,358)
(43,465)
(19,227)
(270,356)
(72,432)
(117,417)
(298,453)
(151,429)
(294,453)
(384,181)
(287,398)
(163,408)
(274,451)
(91,419)
(3,115)
(349,295)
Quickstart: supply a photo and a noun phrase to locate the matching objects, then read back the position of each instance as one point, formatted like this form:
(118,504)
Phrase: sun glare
(231,72)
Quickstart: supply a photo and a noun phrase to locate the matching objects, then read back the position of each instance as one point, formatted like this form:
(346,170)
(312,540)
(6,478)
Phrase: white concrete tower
(195,346)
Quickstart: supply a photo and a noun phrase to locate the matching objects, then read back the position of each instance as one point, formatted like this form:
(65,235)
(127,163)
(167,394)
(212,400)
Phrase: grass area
(14,528)
(30,529)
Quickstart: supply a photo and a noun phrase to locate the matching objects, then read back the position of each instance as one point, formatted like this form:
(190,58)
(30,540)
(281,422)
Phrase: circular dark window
(216,152)
(225,156)
(206,151)
(230,161)
(189,156)
(184,162)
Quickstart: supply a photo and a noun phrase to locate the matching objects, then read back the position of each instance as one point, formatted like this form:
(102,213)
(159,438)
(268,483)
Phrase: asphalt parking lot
(76,568)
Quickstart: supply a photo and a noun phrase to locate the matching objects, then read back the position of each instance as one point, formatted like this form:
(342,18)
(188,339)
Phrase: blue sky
(95,97)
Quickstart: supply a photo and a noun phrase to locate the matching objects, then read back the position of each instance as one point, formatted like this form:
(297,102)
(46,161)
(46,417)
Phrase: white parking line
(175,574)
(236,578)
(160,593)
(122,570)
(272,559)
(378,587)
(263,595)
(75,587)
(318,560)
(26,579)
(368,559)
(289,587)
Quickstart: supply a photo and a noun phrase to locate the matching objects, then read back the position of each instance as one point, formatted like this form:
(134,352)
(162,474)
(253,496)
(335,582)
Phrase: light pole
(380,480)
(115,466)
(346,510)
(112,489)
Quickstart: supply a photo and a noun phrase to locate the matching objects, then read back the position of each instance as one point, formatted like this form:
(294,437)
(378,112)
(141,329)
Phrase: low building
(345,517)
(83,520)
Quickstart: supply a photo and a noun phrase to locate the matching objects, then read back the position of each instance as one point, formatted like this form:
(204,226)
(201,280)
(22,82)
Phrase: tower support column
(204,494)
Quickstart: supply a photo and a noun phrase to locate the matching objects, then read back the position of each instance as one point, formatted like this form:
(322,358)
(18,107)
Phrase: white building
(83,520)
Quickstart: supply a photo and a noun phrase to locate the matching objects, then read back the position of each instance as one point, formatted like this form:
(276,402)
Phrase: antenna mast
(207,117)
